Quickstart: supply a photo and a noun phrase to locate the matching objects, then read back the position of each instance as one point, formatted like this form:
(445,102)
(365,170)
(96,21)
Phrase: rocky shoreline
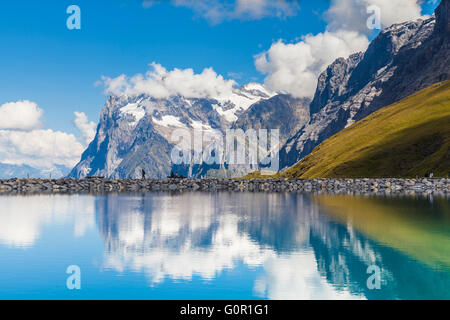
(334,186)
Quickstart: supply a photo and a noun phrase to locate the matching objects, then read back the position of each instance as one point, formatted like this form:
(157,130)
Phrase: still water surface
(224,246)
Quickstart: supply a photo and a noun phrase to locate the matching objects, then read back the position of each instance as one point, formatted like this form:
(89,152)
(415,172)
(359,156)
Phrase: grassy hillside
(405,139)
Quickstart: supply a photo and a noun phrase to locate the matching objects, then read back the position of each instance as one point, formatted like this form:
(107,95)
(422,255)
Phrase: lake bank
(334,186)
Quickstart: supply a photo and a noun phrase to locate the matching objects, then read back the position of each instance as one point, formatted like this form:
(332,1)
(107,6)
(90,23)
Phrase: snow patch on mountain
(134,109)
(169,121)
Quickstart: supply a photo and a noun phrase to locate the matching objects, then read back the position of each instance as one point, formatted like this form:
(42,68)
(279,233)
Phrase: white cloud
(352,14)
(24,141)
(160,83)
(294,68)
(86,128)
(39,148)
(20,115)
(216,11)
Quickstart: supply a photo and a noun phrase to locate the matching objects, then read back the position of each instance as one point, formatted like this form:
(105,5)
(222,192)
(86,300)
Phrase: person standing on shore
(143,174)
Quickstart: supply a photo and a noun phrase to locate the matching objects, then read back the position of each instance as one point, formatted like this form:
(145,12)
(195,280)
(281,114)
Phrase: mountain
(282,112)
(135,132)
(409,138)
(400,61)
(8,171)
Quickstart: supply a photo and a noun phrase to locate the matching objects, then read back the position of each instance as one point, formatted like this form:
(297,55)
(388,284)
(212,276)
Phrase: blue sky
(55,67)
(44,62)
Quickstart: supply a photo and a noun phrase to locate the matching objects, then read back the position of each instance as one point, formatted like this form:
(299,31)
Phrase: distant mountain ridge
(8,171)
(401,60)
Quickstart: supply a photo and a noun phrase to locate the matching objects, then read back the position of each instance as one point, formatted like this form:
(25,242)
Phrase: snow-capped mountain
(402,60)
(135,132)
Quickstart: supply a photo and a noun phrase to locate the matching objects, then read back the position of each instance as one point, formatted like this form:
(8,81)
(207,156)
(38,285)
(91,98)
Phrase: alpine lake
(224,245)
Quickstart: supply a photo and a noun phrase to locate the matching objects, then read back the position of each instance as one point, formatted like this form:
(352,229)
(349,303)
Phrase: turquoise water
(224,246)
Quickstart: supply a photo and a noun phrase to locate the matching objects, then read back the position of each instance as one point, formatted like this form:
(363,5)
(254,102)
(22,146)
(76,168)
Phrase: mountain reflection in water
(257,245)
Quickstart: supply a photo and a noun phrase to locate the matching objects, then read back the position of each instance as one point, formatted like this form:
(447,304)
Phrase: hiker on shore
(143,174)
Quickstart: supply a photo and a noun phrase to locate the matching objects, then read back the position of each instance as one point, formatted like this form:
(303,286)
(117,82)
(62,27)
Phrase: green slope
(405,139)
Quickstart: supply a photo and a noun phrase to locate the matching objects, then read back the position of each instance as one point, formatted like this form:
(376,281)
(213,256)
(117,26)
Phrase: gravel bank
(337,186)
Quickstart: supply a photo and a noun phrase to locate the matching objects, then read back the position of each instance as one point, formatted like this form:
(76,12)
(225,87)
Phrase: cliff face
(443,17)
(281,112)
(402,60)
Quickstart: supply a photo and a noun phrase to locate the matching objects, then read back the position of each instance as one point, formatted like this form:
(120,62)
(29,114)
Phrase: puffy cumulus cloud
(353,15)
(39,148)
(295,67)
(20,115)
(160,83)
(24,141)
(218,11)
(86,127)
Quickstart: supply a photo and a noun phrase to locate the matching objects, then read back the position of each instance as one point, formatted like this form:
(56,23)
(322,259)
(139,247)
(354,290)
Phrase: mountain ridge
(401,60)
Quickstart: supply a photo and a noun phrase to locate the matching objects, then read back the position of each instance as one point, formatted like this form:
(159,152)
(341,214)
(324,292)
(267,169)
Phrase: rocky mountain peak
(332,82)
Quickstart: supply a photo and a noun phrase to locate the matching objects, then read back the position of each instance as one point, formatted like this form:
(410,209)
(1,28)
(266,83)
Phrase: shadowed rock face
(402,60)
(443,17)
(281,112)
